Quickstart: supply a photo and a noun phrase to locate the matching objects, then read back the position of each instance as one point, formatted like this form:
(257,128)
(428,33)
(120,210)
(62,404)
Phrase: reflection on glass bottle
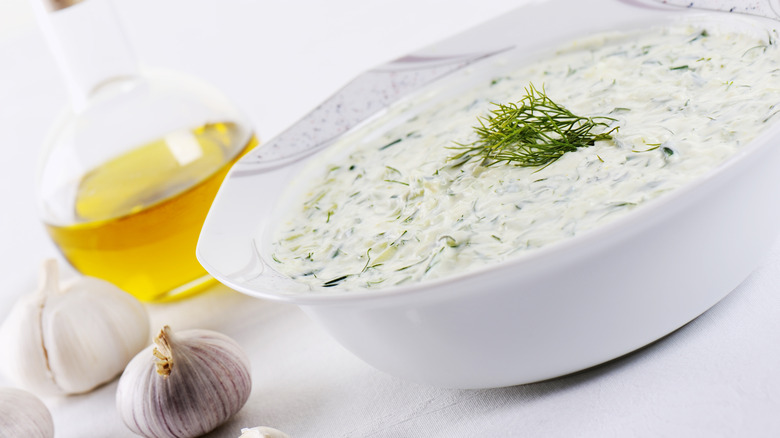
(130,172)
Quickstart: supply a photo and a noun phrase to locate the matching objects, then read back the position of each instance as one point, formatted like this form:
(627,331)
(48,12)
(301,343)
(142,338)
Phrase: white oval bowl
(553,311)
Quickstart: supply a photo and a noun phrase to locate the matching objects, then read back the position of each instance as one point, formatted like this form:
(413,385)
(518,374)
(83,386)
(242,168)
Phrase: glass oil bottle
(130,170)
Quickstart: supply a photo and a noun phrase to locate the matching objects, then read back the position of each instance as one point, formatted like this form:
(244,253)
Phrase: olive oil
(138,216)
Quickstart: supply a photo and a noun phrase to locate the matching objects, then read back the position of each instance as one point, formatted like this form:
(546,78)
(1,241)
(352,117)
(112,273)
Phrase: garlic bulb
(70,338)
(184,385)
(263,432)
(24,415)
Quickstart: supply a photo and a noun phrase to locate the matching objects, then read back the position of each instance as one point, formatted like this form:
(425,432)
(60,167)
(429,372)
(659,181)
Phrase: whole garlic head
(184,385)
(24,415)
(71,338)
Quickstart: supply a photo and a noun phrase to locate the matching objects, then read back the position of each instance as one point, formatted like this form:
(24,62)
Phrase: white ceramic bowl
(563,308)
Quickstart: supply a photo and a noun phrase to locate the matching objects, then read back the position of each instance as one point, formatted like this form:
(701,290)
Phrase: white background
(717,376)
(16,17)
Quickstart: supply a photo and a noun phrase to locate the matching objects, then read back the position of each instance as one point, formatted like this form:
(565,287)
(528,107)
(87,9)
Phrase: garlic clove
(262,432)
(24,415)
(91,344)
(185,385)
(73,337)
(24,358)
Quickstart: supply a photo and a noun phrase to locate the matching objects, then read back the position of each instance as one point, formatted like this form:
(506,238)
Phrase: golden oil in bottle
(139,215)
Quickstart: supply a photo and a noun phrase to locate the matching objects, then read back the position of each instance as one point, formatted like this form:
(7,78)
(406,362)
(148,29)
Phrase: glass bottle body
(126,182)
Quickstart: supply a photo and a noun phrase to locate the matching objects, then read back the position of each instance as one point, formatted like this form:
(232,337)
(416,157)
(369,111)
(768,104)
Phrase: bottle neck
(87,42)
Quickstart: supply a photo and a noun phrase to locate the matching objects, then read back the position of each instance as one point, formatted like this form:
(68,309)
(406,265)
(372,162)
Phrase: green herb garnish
(532,132)
(394,142)
(335,281)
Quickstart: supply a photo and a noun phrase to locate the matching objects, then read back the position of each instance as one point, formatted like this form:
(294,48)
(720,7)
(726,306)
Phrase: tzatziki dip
(390,205)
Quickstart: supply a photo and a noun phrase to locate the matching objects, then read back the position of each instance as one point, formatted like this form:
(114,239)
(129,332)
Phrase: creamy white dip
(391,208)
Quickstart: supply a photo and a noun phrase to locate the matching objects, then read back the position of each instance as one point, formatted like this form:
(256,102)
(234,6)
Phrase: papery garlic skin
(23,415)
(262,432)
(24,358)
(208,381)
(90,344)
(70,338)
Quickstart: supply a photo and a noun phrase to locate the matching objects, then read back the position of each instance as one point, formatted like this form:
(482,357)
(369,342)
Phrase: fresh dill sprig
(533,132)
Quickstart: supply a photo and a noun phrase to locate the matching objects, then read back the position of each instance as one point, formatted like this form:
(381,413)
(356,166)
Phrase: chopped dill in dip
(393,207)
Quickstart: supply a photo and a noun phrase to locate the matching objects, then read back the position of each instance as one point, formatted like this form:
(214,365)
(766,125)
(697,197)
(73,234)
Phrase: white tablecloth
(717,376)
